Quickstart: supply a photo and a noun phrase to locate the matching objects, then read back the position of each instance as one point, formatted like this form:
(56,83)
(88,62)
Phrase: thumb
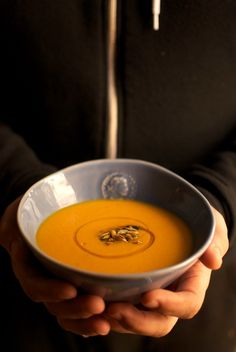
(213,256)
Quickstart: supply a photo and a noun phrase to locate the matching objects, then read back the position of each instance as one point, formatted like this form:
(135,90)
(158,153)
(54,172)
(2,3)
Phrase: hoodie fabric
(176,89)
(176,92)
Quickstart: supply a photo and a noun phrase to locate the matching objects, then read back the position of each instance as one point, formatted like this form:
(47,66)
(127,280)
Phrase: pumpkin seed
(127,233)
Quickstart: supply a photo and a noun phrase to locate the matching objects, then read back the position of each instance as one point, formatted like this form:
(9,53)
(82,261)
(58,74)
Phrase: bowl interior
(120,178)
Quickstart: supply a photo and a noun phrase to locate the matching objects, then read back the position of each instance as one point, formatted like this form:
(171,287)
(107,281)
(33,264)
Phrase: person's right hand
(86,314)
(60,298)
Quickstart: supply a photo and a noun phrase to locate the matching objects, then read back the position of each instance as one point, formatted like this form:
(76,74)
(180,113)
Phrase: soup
(115,236)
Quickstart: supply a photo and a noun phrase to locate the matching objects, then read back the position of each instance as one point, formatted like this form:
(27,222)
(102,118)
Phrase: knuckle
(192,311)
(166,329)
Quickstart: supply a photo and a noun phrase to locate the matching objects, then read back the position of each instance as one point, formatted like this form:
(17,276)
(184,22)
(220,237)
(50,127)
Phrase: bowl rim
(128,276)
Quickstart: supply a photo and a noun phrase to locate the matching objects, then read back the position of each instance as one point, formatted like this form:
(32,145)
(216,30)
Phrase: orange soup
(115,236)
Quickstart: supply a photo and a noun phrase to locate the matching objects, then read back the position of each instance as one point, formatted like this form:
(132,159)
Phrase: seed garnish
(127,233)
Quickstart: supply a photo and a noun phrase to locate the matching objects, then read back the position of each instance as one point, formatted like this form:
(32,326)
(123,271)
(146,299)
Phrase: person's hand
(212,258)
(86,314)
(60,298)
(161,308)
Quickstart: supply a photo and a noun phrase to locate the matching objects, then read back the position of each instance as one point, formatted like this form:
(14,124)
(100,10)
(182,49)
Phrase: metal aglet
(156,9)
(155,22)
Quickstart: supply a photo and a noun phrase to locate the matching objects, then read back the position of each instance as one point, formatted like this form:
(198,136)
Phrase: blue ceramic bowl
(118,178)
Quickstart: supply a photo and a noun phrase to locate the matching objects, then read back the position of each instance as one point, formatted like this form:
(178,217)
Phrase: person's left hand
(160,309)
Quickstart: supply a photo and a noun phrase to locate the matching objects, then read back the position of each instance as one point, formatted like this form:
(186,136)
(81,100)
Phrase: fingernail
(70,293)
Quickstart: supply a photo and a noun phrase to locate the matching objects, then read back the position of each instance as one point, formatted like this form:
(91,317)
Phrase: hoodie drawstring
(156,10)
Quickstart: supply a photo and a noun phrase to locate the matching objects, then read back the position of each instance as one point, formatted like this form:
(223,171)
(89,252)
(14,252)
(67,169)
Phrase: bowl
(115,179)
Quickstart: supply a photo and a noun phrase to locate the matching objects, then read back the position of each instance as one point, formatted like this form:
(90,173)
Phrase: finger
(188,298)
(9,230)
(148,323)
(87,327)
(212,258)
(36,284)
(78,308)
(117,327)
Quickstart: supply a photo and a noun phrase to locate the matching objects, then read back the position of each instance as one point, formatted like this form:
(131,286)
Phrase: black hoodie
(175,90)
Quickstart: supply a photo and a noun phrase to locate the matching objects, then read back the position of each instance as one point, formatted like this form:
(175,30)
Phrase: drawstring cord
(156,9)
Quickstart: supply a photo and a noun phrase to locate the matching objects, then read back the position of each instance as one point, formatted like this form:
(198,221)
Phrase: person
(82,80)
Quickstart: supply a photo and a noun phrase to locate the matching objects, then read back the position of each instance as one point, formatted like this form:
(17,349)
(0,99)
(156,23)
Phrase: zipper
(112,95)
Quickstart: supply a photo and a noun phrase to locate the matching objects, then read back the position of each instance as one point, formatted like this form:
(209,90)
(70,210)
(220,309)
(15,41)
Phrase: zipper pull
(156,10)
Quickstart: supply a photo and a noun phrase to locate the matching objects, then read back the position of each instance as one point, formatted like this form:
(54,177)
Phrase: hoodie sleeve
(216,179)
(19,167)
